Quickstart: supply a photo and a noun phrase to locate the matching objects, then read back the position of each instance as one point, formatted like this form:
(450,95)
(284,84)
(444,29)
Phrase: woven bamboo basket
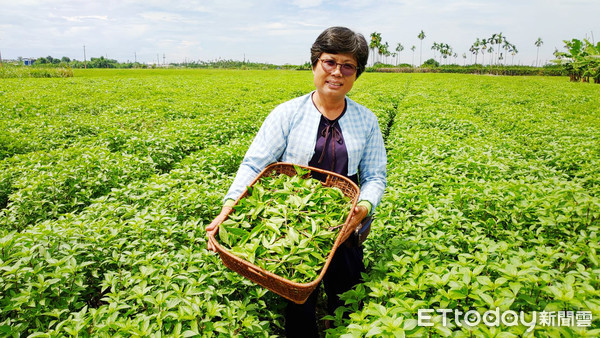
(296,292)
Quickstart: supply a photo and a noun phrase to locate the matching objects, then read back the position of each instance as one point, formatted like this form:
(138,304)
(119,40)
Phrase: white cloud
(81,18)
(168,17)
(307,3)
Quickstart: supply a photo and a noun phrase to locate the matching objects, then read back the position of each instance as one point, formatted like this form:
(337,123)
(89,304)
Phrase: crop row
(64,148)
(493,200)
(108,263)
(133,261)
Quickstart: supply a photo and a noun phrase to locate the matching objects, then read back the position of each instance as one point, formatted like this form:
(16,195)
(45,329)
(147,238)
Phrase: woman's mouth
(334,84)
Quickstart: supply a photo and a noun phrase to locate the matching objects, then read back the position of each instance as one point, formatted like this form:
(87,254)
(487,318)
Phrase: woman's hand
(212,227)
(360,212)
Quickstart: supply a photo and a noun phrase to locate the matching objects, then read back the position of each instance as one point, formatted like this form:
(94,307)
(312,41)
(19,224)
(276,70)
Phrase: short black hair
(338,40)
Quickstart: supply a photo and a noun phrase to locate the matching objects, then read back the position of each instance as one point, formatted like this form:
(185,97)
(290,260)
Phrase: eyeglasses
(329,65)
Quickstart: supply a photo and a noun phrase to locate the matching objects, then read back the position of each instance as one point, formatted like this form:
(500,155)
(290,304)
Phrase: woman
(327,130)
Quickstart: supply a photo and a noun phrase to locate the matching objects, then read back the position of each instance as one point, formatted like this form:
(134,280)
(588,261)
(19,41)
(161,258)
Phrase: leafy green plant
(110,177)
(286,225)
(582,60)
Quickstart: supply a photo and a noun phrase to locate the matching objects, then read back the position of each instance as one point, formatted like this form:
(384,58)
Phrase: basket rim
(223,251)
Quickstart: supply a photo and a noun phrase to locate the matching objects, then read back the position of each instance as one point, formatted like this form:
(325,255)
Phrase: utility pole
(164,59)
(84,61)
(135,57)
(0,58)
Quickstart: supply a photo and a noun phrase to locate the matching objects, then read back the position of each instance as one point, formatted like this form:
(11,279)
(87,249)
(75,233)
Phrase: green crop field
(108,178)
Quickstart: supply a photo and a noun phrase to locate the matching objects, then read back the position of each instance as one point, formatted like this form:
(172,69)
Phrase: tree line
(99,62)
(581,60)
(496,46)
(103,62)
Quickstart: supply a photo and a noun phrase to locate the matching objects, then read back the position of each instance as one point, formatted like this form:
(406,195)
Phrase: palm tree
(483,48)
(387,55)
(498,41)
(421,36)
(445,51)
(538,43)
(413,50)
(490,50)
(441,47)
(475,48)
(375,43)
(492,41)
(513,51)
(507,47)
(434,47)
(383,51)
(399,48)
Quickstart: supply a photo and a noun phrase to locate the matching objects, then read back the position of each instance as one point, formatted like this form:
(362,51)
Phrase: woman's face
(334,84)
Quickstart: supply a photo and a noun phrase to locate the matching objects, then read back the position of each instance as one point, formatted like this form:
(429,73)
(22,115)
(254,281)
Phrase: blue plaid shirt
(289,134)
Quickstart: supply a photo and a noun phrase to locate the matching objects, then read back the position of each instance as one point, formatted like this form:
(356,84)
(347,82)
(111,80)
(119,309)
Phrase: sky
(281,32)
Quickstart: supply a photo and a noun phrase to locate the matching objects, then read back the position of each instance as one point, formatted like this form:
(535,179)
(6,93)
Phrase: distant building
(28,61)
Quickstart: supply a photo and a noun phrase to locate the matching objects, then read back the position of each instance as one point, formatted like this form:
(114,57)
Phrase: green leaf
(410,324)
(374,331)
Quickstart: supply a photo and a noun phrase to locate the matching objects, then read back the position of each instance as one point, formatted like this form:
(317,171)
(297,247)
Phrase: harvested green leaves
(286,225)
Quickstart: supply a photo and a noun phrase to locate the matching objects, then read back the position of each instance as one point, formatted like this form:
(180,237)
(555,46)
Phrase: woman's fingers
(360,212)
(212,227)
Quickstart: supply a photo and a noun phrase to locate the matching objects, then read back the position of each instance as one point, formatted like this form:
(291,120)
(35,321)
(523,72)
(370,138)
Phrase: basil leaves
(286,225)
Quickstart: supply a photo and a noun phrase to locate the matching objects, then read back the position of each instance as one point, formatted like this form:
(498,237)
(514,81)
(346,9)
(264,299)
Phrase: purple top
(330,150)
